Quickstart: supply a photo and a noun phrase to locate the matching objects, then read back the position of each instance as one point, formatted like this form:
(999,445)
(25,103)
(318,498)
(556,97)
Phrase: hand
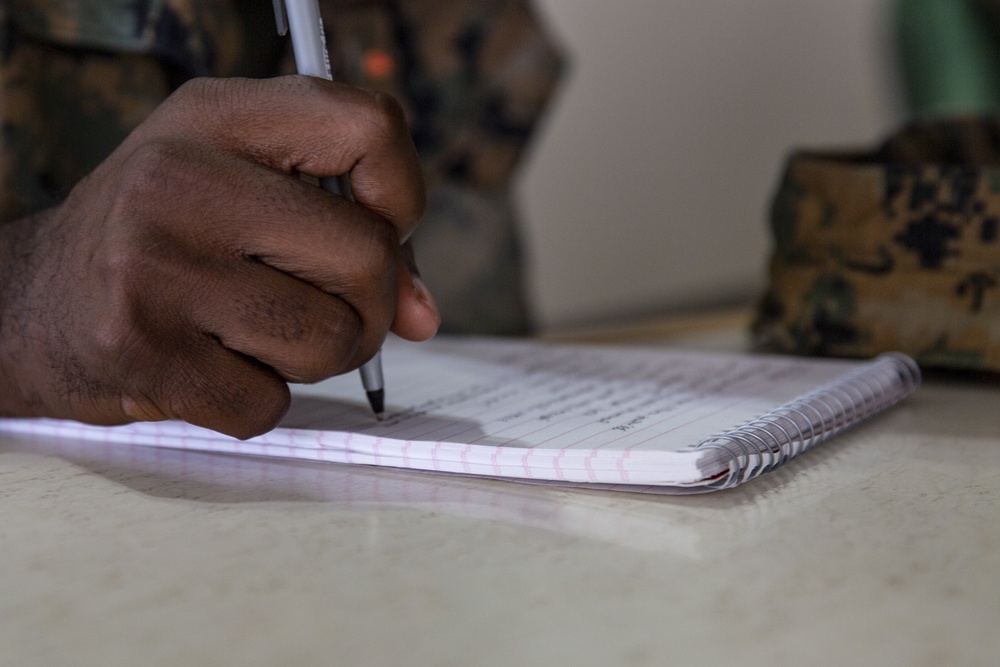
(193,273)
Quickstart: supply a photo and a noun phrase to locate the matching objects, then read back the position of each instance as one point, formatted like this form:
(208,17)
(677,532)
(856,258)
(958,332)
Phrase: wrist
(17,268)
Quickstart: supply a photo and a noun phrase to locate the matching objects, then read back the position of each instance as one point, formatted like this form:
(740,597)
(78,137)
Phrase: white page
(518,409)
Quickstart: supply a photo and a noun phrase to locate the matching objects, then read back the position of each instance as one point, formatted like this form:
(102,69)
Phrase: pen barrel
(311,58)
(308,38)
(371,373)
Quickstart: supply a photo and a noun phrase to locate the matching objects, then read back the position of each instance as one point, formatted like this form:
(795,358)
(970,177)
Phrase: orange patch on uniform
(377,64)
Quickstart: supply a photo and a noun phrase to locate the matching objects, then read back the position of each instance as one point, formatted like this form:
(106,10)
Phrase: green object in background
(950,53)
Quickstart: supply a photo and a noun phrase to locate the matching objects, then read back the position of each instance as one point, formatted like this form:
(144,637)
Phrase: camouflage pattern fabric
(897,249)
(474,76)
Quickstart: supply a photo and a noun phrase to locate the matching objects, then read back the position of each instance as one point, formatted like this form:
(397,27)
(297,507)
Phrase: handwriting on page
(530,396)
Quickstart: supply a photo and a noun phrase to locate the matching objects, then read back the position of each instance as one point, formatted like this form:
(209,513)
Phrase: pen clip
(280,17)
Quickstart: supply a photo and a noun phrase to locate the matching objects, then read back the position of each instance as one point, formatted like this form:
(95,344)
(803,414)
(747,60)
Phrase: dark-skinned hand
(194,274)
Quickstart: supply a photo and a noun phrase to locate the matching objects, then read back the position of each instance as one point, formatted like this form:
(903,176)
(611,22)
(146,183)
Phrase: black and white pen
(302,19)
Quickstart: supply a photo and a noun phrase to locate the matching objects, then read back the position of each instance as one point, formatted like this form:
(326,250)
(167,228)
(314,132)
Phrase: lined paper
(514,408)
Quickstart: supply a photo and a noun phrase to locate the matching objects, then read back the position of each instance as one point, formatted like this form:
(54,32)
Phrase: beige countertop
(881,547)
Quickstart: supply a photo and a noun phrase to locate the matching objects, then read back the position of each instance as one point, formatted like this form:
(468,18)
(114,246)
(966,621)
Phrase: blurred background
(647,187)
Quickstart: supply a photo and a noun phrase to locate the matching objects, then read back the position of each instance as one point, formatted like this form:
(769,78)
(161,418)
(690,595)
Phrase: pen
(303,20)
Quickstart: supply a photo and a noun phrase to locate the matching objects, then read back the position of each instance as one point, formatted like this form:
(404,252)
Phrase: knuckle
(389,111)
(200,91)
(327,348)
(217,103)
(243,407)
(387,119)
(309,89)
(119,331)
(266,411)
(304,337)
(163,186)
(368,261)
(307,84)
(117,337)
(381,252)
(195,88)
(188,97)
(148,173)
(410,213)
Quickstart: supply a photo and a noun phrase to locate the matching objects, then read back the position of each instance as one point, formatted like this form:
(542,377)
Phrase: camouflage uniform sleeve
(473,76)
(77,77)
(63,109)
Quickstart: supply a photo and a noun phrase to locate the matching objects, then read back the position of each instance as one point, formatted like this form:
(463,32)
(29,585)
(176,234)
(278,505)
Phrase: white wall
(648,187)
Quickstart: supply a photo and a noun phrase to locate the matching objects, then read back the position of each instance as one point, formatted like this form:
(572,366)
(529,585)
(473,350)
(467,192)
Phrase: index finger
(316,127)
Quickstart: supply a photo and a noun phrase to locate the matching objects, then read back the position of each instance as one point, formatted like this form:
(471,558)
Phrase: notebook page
(528,395)
(523,409)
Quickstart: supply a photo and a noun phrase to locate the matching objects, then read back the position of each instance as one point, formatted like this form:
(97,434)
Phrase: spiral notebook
(632,418)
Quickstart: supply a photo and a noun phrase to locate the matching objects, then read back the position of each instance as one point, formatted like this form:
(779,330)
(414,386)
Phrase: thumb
(417,316)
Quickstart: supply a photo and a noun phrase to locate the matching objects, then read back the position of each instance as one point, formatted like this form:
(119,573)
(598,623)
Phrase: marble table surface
(881,547)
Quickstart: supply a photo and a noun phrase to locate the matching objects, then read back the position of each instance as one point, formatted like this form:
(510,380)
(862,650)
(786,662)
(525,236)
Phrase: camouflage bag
(895,249)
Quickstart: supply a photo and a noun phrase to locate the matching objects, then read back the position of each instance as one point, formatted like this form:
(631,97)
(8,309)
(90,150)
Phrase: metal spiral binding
(782,434)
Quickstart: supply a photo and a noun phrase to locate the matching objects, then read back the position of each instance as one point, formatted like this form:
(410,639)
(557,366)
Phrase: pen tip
(377,400)
(379,416)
